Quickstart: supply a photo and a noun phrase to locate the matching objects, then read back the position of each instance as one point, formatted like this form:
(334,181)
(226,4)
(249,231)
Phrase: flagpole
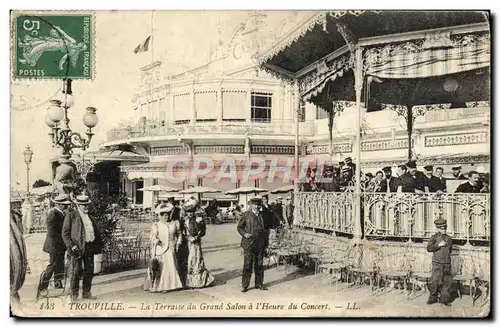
(152,37)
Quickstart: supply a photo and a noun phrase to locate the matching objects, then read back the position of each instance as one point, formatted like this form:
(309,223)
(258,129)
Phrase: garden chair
(420,276)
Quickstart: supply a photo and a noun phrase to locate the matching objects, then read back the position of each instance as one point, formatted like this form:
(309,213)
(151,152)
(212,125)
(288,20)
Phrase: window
(155,181)
(321,113)
(261,107)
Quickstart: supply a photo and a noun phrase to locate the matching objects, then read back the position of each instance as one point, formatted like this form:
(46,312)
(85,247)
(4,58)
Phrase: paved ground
(313,295)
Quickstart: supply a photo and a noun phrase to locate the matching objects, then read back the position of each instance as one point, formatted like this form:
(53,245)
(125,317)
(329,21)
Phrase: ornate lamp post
(57,119)
(63,137)
(28,155)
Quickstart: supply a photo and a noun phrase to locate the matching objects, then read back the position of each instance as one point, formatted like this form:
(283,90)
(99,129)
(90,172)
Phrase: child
(440,244)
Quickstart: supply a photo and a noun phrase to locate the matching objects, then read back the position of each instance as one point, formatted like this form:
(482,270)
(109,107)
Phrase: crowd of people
(407,178)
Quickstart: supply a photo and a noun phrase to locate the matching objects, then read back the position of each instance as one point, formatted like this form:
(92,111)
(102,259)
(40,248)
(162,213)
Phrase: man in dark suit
(472,186)
(413,180)
(390,183)
(82,241)
(54,244)
(457,173)
(254,227)
(432,183)
(442,181)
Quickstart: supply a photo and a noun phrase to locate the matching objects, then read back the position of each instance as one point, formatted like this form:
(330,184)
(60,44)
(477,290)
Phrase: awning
(115,155)
(412,60)
(146,170)
(318,36)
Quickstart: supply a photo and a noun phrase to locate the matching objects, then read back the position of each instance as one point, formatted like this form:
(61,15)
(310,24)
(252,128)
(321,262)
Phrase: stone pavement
(313,295)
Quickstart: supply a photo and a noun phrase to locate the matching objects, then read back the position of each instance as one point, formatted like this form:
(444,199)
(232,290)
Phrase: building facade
(246,113)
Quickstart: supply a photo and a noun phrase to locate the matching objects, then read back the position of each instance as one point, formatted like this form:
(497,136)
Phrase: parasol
(157,189)
(247,190)
(199,190)
(283,189)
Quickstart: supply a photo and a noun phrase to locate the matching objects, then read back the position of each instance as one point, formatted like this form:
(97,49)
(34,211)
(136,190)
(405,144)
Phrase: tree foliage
(104,209)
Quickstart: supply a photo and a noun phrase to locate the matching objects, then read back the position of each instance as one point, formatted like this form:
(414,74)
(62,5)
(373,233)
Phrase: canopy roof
(407,58)
(319,36)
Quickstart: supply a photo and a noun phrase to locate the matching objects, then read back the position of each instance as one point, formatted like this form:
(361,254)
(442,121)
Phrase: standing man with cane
(82,241)
(54,244)
(254,227)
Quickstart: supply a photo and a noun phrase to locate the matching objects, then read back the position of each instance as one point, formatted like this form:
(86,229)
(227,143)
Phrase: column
(171,108)
(296,107)
(358,86)
(248,115)
(193,105)
(219,105)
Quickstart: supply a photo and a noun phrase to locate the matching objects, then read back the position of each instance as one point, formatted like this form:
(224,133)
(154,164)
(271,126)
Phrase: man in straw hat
(440,244)
(82,241)
(254,227)
(54,244)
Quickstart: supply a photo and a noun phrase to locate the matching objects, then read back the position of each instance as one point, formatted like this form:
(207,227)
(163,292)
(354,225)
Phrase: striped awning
(413,60)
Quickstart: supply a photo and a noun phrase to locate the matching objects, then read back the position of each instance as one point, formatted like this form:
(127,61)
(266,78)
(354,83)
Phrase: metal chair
(419,278)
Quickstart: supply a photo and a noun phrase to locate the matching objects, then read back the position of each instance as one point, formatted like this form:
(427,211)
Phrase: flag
(143,47)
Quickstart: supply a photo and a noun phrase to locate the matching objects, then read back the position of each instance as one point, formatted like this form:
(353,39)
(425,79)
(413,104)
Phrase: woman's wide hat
(166,208)
(190,205)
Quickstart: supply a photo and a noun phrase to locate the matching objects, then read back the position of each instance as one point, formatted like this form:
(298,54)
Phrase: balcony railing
(235,126)
(400,215)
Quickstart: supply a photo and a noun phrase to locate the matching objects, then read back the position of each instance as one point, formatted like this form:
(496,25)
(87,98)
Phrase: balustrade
(397,215)
(158,128)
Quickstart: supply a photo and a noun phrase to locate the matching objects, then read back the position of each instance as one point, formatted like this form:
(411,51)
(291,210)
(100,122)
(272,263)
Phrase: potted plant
(104,209)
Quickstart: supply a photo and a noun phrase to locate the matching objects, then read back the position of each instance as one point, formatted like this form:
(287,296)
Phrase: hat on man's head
(289,197)
(61,199)
(348,158)
(256,199)
(265,195)
(82,199)
(190,205)
(346,168)
(387,169)
(279,198)
(440,223)
(411,164)
(429,167)
(456,167)
(341,163)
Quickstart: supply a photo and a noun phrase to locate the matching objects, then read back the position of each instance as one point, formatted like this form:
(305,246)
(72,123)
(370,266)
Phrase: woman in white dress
(164,242)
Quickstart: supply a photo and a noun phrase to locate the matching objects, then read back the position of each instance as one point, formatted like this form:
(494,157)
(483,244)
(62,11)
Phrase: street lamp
(28,155)
(57,119)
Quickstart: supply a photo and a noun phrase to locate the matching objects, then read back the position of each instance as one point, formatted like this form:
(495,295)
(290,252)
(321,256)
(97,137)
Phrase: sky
(181,39)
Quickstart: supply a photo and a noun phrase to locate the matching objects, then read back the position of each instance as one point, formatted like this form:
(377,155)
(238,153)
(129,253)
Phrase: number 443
(47,306)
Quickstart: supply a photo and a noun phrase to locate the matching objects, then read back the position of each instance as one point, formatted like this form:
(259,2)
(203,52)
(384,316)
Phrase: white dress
(167,233)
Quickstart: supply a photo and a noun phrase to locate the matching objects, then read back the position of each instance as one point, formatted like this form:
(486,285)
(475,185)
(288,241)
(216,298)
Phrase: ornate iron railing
(326,210)
(412,215)
(397,215)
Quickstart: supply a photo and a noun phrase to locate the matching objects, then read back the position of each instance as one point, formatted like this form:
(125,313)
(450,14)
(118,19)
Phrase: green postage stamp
(53,46)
